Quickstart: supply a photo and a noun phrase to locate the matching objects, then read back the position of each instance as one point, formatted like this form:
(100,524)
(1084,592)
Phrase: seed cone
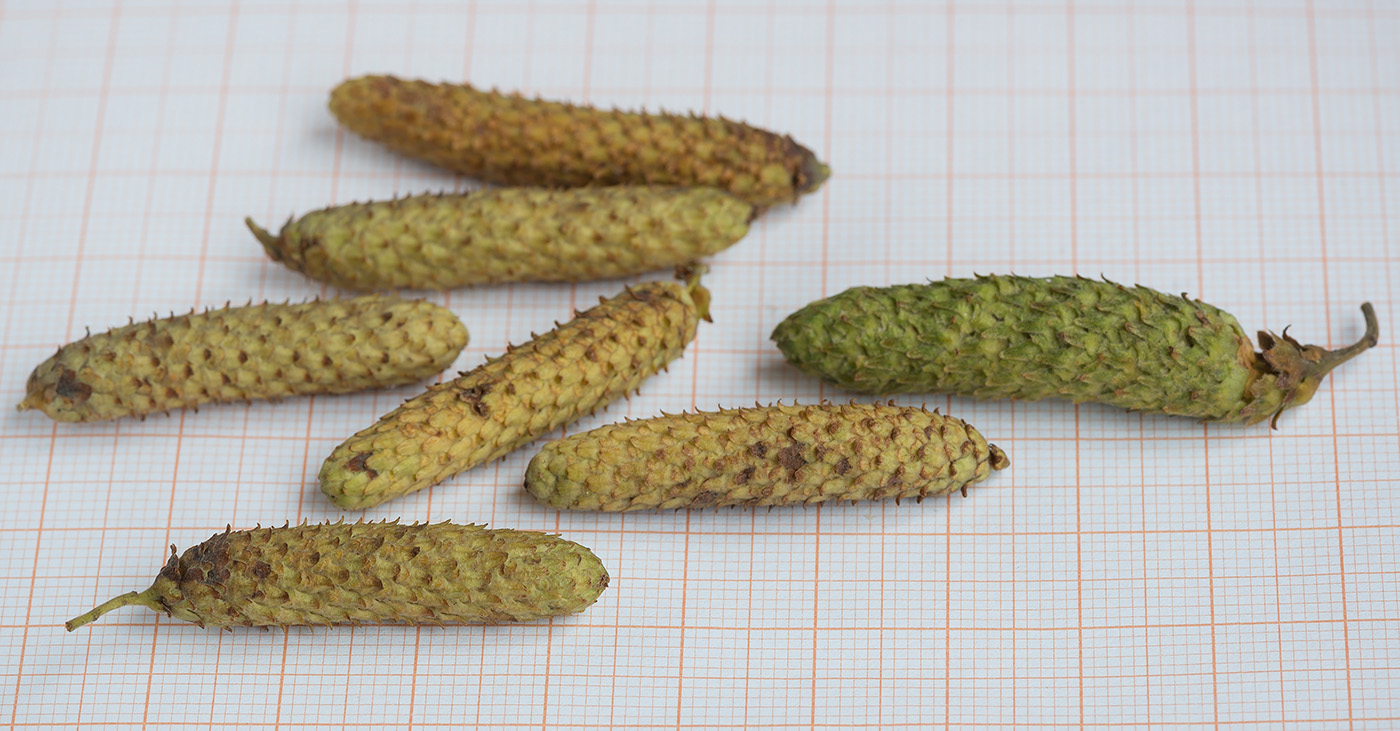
(1057,337)
(509,235)
(370,573)
(554,379)
(265,351)
(765,456)
(511,140)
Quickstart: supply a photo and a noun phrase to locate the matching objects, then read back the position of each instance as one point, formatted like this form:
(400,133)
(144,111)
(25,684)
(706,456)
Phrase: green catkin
(1057,337)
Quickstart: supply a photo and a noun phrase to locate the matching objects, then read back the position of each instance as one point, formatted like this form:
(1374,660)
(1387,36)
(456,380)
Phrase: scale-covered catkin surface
(597,357)
(266,351)
(503,235)
(1056,337)
(511,140)
(370,573)
(763,456)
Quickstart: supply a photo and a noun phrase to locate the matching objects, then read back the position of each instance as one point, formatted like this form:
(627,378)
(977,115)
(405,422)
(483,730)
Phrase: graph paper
(1127,571)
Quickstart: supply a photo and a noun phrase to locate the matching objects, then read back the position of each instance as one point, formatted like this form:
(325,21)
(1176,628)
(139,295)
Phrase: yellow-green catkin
(266,351)
(370,573)
(554,379)
(764,456)
(511,140)
(501,235)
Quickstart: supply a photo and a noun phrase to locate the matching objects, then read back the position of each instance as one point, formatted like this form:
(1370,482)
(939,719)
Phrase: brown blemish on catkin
(790,457)
(70,387)
(213,556)
(357,464)
(473,397)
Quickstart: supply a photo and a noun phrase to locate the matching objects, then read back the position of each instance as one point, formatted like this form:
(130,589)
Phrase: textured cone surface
(554,379)
(765,456)
(1056,337)
(509,235)
(263,351)
(508,139)
(375,573)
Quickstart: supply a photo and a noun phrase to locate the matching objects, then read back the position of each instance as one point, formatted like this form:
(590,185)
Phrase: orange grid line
(1073,152)
(796,91)
(821,724)
(949,150)
(844,580)
(1376,119)
(543,626)
(504,7)
(1194,101)
(896,534)
(1326,283)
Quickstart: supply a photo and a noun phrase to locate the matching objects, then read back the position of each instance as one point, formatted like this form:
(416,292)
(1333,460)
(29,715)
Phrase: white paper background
(1127,571)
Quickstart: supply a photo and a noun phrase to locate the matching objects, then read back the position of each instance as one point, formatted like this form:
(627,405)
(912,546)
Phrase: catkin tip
(33,401)
(270,243)
(998,458)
